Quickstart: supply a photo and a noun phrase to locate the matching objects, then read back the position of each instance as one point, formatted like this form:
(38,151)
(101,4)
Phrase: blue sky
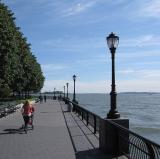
(69,37)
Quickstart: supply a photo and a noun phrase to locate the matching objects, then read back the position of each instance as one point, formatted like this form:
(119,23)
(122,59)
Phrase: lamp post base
(111,140)
(75,101)
(113,115)
(67,101)
(54,97)
(74,106)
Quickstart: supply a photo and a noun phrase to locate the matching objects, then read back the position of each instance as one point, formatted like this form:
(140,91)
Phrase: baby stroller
(29,125)
(28,114)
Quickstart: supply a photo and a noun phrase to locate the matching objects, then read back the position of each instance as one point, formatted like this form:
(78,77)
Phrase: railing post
(87,120)
(109,142)
(82,115)
(150,150)
(95,124)
(74,109)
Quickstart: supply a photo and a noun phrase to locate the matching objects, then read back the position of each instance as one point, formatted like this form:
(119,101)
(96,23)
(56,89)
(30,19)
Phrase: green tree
(20,71)
(8,57)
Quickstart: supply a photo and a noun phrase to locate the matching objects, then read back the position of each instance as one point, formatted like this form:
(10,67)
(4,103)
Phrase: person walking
(45,98)
(26,113)
(40,98)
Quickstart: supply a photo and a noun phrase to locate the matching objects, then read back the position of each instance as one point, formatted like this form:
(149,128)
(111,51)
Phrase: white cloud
(139,54)
(77,8)
(11,2)
(150,9)
(52,67)
(67,8)
(144,40)
(124,72)
(137,85)
(73,44)
(93,87)
(81,87)
(49,85)
(101,58)
(54,10)
(143,74)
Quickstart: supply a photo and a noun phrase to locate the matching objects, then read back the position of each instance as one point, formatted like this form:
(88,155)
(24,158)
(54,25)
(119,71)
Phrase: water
(142,110)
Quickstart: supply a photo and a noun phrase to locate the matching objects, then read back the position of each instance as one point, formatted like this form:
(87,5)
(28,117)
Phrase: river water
(142,110)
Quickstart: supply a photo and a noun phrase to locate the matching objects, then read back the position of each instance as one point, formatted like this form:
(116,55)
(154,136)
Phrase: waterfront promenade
(58,134)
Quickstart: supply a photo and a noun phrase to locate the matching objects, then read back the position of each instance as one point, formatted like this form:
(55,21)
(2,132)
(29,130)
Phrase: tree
(20,71)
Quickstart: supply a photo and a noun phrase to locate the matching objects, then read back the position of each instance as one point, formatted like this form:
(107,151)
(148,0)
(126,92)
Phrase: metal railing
(133,145)
(129,144)
(91,118)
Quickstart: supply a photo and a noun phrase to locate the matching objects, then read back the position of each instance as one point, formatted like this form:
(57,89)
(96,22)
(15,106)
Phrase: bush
(5,92)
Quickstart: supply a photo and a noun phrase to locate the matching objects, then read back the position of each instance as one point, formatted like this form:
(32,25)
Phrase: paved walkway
(57,135)
(49,140)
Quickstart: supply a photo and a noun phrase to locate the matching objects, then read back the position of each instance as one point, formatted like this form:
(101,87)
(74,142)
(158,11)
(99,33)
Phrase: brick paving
(49,139)
(57,134)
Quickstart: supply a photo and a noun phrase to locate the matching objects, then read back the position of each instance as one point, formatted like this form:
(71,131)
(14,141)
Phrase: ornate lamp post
(60,94)
(112,41)
(67,89)
(74,94)
(64,91)
(66,100)
(54,93)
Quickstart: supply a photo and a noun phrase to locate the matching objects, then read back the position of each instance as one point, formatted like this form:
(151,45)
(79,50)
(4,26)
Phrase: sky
(69,37)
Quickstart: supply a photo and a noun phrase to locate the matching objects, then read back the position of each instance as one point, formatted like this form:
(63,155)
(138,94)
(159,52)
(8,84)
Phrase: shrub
(5,92)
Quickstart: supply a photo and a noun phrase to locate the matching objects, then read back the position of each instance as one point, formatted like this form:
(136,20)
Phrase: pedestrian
(40,98)
(26,113)
(45,98)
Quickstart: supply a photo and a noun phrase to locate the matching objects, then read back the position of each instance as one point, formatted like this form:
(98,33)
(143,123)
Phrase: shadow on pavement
(13,131)
(92,154)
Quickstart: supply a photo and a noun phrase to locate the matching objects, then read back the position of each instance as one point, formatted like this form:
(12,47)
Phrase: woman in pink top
(26,112)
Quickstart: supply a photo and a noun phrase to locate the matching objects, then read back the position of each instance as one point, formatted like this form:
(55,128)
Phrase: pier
(60,133)
(57,134)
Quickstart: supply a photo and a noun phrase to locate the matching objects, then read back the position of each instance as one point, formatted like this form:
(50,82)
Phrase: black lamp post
(67,89)
(54,93)
(66,100)
(112,41)
(64,91)
(74,94)
(60,95)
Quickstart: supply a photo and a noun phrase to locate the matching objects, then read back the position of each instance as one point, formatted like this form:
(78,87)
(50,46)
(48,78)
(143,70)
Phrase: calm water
(142,110)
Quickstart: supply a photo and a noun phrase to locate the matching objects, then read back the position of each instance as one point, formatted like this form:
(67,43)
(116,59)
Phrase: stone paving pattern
(57,134)
(48,140)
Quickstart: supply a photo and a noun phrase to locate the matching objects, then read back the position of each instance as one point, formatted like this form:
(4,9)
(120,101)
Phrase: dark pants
(26,119)
(32,117)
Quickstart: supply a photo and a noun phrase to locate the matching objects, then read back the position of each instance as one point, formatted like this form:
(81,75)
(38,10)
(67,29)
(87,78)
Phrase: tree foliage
(19,69)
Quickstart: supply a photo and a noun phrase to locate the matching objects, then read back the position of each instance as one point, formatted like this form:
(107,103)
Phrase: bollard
(109,140)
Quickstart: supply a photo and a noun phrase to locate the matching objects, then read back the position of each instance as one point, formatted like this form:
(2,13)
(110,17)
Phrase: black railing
(91,118)
(133,145)
(129,144)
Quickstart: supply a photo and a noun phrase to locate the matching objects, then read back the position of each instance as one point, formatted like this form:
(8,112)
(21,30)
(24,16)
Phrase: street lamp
(64,91)
(67,89)
(112,41)
(66,100)
(54,93)
(74,94)
(60,94)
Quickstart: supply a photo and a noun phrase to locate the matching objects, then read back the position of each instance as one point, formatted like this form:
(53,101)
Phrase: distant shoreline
(108,93)
(139,92)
